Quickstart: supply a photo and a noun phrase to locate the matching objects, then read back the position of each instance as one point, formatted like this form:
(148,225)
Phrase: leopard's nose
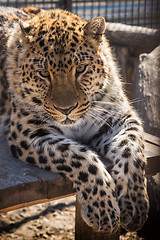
(66,111)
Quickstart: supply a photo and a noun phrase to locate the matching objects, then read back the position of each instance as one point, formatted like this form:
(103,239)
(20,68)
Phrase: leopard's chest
(82,132)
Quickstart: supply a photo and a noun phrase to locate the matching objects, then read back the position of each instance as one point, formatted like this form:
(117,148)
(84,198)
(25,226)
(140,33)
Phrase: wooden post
(84,232)
(67,5)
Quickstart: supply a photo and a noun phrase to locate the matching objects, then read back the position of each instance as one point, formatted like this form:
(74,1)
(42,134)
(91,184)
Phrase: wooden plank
(152,152)
(24,184)
(153,166)
(152,139)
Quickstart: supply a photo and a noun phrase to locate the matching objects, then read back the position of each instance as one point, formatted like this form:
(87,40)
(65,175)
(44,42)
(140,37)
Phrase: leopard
(63,104)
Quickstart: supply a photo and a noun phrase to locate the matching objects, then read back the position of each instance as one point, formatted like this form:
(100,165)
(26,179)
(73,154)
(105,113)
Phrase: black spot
(73,24)
(102,213)
(96,215)
(134,177)
(14,150)
(119,188)
(73,44)
(133,198)
(105,220)
(95,190)
(99,181)
(64,168)
(117,160)
(103,130)
(135,188)
(132,129)
(41,43)
(19,127)
(123,143)
(95,159)
(51,153)
(30,160)
(90,209)
(60,160)
(102,193)
(72,50)
(24,145)
(132,137)
(110,203)
(45,49)
(96,204)
(78,157)
(71,29)
(83,176)
(113,150)
(37,101)
(14,107)
(14,135)
(126,168)
(39,133)
(76,164)
(102,204)
(113,215)
(63,147)
(88,190)
(116,172)
(120,165)
(42,159)
(77,182)
(126,153)
(24,112)
(48,168)
(92,169)
(26,132)
(85,195)
(137,163)
(36,121)
(40,150)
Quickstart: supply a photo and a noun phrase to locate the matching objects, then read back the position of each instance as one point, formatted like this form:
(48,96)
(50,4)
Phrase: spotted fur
(62,98)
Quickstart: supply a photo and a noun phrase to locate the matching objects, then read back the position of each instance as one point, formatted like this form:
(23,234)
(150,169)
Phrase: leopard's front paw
(133,210)
(99,206)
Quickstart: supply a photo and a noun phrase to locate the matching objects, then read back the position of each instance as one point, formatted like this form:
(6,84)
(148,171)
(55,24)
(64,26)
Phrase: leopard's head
(61,63)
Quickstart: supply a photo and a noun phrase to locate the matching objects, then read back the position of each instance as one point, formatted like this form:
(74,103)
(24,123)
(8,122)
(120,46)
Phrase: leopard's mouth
(68,121)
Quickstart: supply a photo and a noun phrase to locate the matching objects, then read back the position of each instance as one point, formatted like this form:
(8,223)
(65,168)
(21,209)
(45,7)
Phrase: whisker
(99,117)
(136,100)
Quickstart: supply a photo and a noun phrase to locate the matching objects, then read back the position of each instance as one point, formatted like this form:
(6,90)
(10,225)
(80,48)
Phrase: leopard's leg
(126,151)
(52,151)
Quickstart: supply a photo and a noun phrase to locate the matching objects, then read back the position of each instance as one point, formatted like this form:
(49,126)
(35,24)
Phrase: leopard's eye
(44,74)
(81,69)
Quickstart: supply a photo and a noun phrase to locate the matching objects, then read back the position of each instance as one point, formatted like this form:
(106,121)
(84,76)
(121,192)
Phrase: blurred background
(134,12)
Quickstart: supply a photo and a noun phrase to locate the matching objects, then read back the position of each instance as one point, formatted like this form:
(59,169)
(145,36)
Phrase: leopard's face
(62,69)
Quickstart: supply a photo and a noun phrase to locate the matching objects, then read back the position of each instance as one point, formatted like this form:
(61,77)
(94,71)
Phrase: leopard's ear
(95,28)
(26,30)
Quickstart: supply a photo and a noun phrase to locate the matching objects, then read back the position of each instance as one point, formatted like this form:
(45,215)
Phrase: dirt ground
(53,221)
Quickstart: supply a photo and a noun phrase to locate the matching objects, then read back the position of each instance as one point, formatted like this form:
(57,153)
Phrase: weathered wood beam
(133,36)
